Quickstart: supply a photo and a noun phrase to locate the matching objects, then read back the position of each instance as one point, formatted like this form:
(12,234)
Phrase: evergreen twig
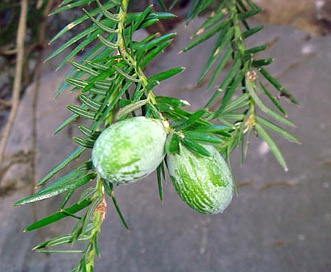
(111,84)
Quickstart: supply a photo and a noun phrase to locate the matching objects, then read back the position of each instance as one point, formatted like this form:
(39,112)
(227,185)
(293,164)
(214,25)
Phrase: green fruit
(204,183)
(129,150)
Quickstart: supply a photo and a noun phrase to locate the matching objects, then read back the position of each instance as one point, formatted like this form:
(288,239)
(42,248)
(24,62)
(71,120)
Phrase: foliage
(111,84)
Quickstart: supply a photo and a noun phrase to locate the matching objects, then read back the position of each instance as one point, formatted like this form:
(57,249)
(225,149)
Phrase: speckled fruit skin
(129,150)
(204,183)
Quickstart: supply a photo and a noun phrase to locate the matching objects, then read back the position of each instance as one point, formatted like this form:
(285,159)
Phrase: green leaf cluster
(238,101)
(111,85)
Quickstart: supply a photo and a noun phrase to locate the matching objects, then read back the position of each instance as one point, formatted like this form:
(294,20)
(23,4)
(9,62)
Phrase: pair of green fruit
(133,148)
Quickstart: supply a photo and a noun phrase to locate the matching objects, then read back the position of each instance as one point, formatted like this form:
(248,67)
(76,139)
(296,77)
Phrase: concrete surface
(279,222)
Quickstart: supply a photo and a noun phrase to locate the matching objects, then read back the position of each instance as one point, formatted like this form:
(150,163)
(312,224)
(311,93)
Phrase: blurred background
(279,221)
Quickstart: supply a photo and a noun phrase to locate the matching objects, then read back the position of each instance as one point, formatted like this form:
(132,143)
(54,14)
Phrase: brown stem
(18,76)
(5,103)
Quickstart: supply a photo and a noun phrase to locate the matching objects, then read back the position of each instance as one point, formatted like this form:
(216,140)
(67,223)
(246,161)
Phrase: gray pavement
(279,222)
